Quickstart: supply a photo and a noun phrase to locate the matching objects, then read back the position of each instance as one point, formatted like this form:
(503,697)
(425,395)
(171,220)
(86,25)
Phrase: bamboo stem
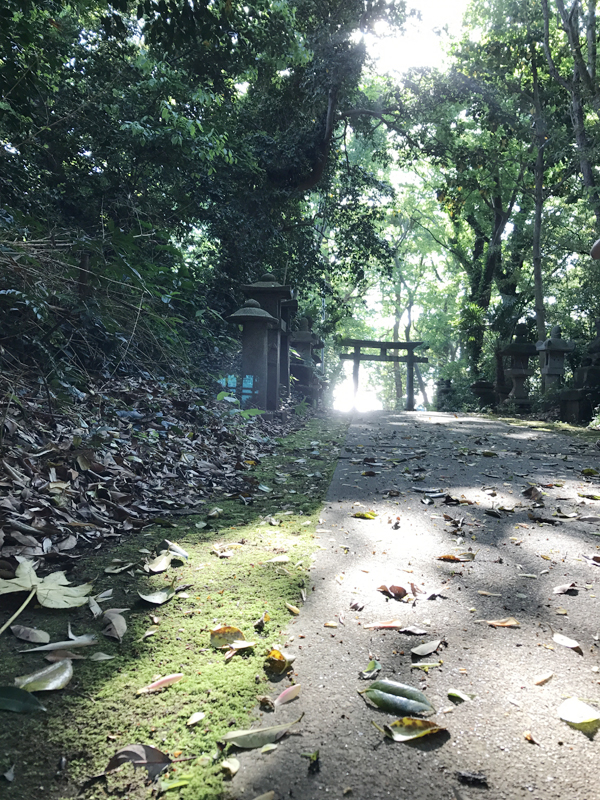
(18,611)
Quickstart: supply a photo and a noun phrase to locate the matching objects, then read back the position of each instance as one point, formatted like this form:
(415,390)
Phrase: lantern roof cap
(251,312)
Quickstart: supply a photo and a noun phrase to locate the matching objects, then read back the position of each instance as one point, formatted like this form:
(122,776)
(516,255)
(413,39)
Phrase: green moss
(100,712)
(579,431)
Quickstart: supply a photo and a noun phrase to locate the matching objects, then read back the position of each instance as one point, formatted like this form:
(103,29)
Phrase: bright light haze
(425,39)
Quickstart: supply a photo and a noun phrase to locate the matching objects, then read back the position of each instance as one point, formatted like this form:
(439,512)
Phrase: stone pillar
(255,334)
(485,393)
(269,294)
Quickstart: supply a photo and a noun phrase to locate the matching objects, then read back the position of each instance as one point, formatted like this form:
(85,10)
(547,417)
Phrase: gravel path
(517,560)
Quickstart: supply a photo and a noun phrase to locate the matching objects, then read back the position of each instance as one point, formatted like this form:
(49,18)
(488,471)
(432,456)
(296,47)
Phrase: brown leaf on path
(595,560)
(395,592)
(506,622)
(540,680)
(462,557)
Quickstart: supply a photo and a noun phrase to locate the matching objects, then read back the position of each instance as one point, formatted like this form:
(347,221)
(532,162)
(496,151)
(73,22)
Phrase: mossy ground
(99,712)
(579,431)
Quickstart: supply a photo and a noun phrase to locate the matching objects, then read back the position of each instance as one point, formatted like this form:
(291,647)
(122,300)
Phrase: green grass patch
(99,712)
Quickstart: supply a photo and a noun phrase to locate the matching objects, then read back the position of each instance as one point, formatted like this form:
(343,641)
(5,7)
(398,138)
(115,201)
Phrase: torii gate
(410,359)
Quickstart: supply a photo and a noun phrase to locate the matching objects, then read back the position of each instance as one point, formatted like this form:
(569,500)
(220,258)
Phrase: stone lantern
(303,367)
(288,309)
(270,294)
(578,404)
(520,351)
(552,356)
(255,323)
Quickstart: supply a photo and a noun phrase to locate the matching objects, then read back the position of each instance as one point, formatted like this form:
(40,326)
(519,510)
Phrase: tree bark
(396,338)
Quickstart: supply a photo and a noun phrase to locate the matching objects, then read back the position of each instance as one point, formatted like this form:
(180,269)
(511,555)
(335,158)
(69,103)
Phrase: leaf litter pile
(121,459)
(142,662)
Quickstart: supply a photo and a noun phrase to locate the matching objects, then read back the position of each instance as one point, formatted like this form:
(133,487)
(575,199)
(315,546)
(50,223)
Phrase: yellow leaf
(222,636)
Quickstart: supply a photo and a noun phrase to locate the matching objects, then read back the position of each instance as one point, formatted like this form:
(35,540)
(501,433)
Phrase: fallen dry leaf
(161,683)
(566,587)
(566,642)
(506,622)
(395,592)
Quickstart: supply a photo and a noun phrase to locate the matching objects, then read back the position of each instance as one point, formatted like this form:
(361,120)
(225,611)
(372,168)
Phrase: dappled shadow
(517,564)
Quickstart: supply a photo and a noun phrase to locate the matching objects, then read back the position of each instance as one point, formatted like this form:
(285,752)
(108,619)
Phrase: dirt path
(517,560)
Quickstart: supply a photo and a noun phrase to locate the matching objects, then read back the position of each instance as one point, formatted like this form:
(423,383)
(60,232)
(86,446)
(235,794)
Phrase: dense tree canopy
(156,155)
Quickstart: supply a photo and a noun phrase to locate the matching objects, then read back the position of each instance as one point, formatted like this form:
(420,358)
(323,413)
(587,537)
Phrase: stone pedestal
(443,393)
(485,393)
(255,323)
(576,405)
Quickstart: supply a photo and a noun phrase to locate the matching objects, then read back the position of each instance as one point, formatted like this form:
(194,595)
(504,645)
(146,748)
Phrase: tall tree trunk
(396,338)
(422,386)
(540,138)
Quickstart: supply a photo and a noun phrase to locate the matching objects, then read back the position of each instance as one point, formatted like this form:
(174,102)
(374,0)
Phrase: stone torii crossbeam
(410,359)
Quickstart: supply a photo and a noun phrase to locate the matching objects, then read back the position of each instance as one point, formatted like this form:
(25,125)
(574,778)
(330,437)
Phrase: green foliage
(245,413)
